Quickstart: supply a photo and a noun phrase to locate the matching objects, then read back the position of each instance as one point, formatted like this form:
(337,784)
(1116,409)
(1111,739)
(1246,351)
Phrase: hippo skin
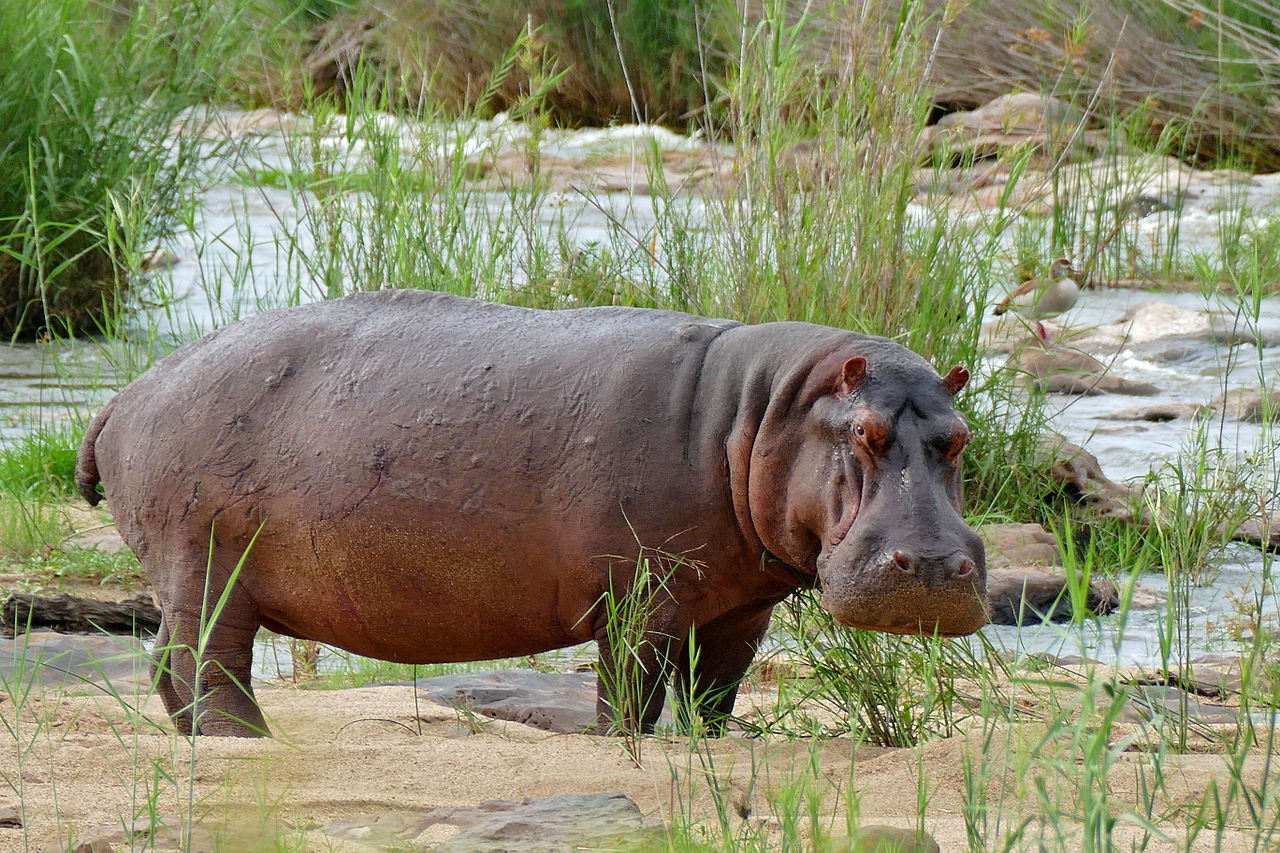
(431,478)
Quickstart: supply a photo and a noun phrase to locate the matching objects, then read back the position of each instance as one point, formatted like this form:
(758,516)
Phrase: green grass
(56,569)
(41,460)
(89,176)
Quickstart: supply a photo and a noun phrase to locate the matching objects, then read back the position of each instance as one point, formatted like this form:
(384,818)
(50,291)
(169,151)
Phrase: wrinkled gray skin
(436,479)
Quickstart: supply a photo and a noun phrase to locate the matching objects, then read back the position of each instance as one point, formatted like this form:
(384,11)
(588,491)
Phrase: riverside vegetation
(1040,755)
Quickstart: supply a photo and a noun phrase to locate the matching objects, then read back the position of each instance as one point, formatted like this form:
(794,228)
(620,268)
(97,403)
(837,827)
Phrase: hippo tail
(87,478)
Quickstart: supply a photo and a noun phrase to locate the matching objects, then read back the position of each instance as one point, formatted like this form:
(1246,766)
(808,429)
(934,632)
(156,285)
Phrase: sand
(95,764)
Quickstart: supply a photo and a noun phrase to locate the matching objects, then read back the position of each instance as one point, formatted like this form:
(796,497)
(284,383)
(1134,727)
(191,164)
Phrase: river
(247,248)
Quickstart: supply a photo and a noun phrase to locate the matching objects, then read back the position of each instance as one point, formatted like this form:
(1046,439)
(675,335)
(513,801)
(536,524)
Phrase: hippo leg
(162,678)
(707,676)
(214,689)
(632,682)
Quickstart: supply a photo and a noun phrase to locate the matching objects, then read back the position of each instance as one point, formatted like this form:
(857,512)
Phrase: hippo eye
(870,430)
(954,444)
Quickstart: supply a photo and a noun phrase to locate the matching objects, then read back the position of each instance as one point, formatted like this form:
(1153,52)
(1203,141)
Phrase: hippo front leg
(708,674)
(632,680)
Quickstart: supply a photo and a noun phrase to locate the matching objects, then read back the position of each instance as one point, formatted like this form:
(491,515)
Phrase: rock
(558,702)
(98,846)
(1144,702)
(383,829)
(1211,676)
(563,822)
(1157,413)
(10,819)
(70,614)
(1031,596)
(167,833)
(1078,472)
(883,839)
(1262,531)
(62,660)
(1254,405)
(1014,544)
(107,540)
(1016,121)
(1143,205)
(1061,370)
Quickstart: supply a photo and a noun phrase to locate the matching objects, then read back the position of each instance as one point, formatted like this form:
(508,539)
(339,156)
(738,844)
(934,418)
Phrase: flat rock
(555,701)
(1013,544)
(1063,370)
(69,660)
(1030,596)
(1212,676)
(1262,531)
(1253,405)
(1143,702)
(1016,121)
(1157,413)
(564,822)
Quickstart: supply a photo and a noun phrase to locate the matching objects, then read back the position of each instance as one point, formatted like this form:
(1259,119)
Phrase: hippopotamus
(424,478)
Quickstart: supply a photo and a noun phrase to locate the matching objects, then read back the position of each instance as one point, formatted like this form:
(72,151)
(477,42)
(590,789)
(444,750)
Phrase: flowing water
(247,248)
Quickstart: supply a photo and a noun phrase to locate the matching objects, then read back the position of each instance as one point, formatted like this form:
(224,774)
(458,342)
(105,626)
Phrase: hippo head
(866,492)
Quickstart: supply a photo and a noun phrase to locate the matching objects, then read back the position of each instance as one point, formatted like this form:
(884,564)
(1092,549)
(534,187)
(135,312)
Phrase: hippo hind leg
(708,673)
(162,678)
(210,686)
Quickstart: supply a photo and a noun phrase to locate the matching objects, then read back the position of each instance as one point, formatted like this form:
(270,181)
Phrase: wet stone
(1077,471)
(1144,702)
(1029,596)
(1250,404)
(1062,370)
(1262,531)
(1211,676)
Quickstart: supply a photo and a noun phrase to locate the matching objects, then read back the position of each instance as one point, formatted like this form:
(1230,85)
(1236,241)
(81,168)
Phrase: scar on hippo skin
(417,514)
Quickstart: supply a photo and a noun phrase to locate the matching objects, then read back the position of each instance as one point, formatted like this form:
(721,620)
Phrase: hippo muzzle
(907,588)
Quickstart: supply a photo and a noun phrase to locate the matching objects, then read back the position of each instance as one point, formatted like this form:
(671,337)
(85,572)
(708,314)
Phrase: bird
(1044,297)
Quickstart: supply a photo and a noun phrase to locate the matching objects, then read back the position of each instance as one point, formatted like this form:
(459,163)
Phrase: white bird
(1044,297)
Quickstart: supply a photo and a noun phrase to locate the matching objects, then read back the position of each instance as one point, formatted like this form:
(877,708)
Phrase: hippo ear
(955,380)
(851,376)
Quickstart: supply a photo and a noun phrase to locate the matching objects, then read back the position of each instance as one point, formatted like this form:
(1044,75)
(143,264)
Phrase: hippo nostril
(903,561)
(966,566)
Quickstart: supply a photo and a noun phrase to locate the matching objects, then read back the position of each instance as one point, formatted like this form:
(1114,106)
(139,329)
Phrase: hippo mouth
(880,595)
